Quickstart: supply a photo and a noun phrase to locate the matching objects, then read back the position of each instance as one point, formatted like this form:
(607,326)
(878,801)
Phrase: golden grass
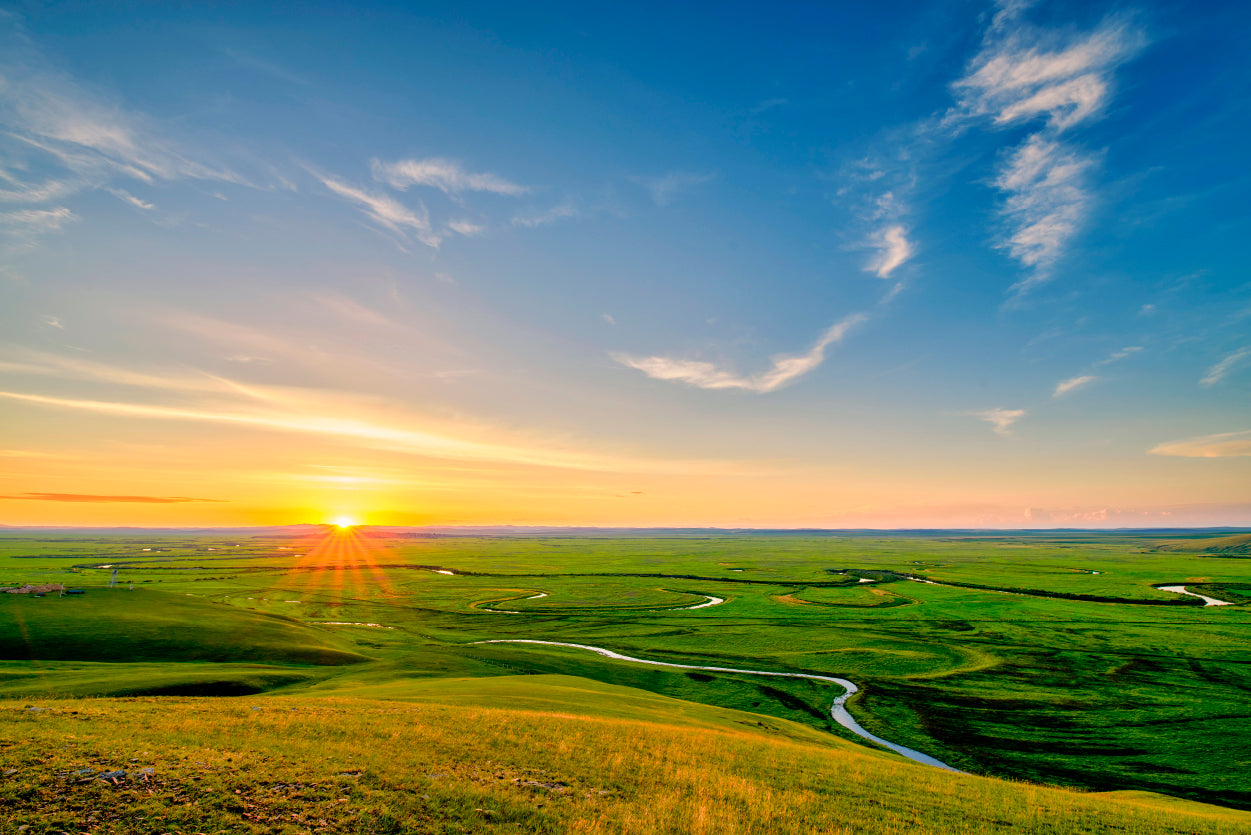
(510,754)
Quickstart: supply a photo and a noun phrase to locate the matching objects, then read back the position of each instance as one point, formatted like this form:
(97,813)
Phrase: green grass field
(1079,696)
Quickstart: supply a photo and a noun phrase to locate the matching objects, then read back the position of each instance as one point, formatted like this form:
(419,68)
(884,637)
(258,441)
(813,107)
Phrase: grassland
(1051,659)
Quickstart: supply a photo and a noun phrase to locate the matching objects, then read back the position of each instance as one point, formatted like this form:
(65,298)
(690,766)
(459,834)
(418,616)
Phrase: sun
(344,522)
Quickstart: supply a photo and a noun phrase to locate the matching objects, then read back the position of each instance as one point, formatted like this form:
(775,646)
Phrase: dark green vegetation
(1050,658)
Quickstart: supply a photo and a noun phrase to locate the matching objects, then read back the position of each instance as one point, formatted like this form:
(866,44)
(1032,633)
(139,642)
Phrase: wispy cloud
(93,498)
(561,211)
(1023,72)
(1224,445)
(269,68)
(31,453)
(22,192)
(1117,356)
(769,104)
(49,111)
(292,414)
(126,197)
(1073,383)
(62,137)
(785,367)
(336,416)
(1046,204)
(386,211)
(877,189)
(25,226)
(466,227)
(893,250)
(37,220)
(1222,368)
(1026,73)
(1000,420)
(444,174)
(666,187)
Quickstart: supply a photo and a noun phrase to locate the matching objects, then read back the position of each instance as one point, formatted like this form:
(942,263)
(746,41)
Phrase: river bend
(838,710)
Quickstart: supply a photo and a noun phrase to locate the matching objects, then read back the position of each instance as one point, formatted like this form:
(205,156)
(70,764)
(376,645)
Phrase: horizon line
(711,528)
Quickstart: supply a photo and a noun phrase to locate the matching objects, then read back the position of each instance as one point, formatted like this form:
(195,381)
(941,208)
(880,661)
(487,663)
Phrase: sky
(833,265)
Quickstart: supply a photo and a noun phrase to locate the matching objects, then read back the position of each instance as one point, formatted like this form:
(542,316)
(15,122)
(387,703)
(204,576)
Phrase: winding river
(838,710)
(709,600)
(1207,601)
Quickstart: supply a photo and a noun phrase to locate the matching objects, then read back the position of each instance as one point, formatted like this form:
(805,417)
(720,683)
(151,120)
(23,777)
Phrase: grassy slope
(145,625)
(551,754)
(1098,695)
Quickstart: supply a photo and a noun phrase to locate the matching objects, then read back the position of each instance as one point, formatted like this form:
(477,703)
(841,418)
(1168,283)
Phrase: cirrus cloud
(1000,420)
(1066,386)
(1223,445)
(446,175)
(893,250)
(1025,73)
(1225,365)
(94,498)
(707,375)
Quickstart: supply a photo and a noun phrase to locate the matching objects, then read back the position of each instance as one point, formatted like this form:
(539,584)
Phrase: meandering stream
(709,600)
(1207,601)
(838,710)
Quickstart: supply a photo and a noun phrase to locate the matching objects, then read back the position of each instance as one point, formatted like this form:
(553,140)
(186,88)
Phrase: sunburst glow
(343,522)
(337,565)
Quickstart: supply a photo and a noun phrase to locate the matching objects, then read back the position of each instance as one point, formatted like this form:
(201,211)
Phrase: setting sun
(344,522)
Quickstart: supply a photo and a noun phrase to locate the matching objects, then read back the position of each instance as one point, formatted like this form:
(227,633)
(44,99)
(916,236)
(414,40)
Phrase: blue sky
(959,264)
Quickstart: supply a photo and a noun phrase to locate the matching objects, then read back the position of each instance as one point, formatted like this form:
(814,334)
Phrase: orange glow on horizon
(339,564)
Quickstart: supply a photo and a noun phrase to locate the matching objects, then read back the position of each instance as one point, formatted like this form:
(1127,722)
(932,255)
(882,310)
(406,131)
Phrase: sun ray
(343,563)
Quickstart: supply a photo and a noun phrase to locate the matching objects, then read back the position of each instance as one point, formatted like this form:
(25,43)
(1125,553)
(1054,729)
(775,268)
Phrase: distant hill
(1238,544)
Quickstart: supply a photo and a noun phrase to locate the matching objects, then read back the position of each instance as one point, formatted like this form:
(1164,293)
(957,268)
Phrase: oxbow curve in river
(838,710)
(1207,601)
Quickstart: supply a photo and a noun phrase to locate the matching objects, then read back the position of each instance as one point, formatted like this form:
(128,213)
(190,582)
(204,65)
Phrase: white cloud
(1047,201)
(53,321)
(785,367)
(61,137)
(1117,356)
(1000,420)
(21,192)
(335,415)
(1225,445)
(126,197)
(1025,73)
(665,188)
(444,174)
(50,112)
(465,227)
(1066,386)
(607,317)
(562,211)
(893,250)
(877,190)
(26,225)
(386,211)
(1227,364)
